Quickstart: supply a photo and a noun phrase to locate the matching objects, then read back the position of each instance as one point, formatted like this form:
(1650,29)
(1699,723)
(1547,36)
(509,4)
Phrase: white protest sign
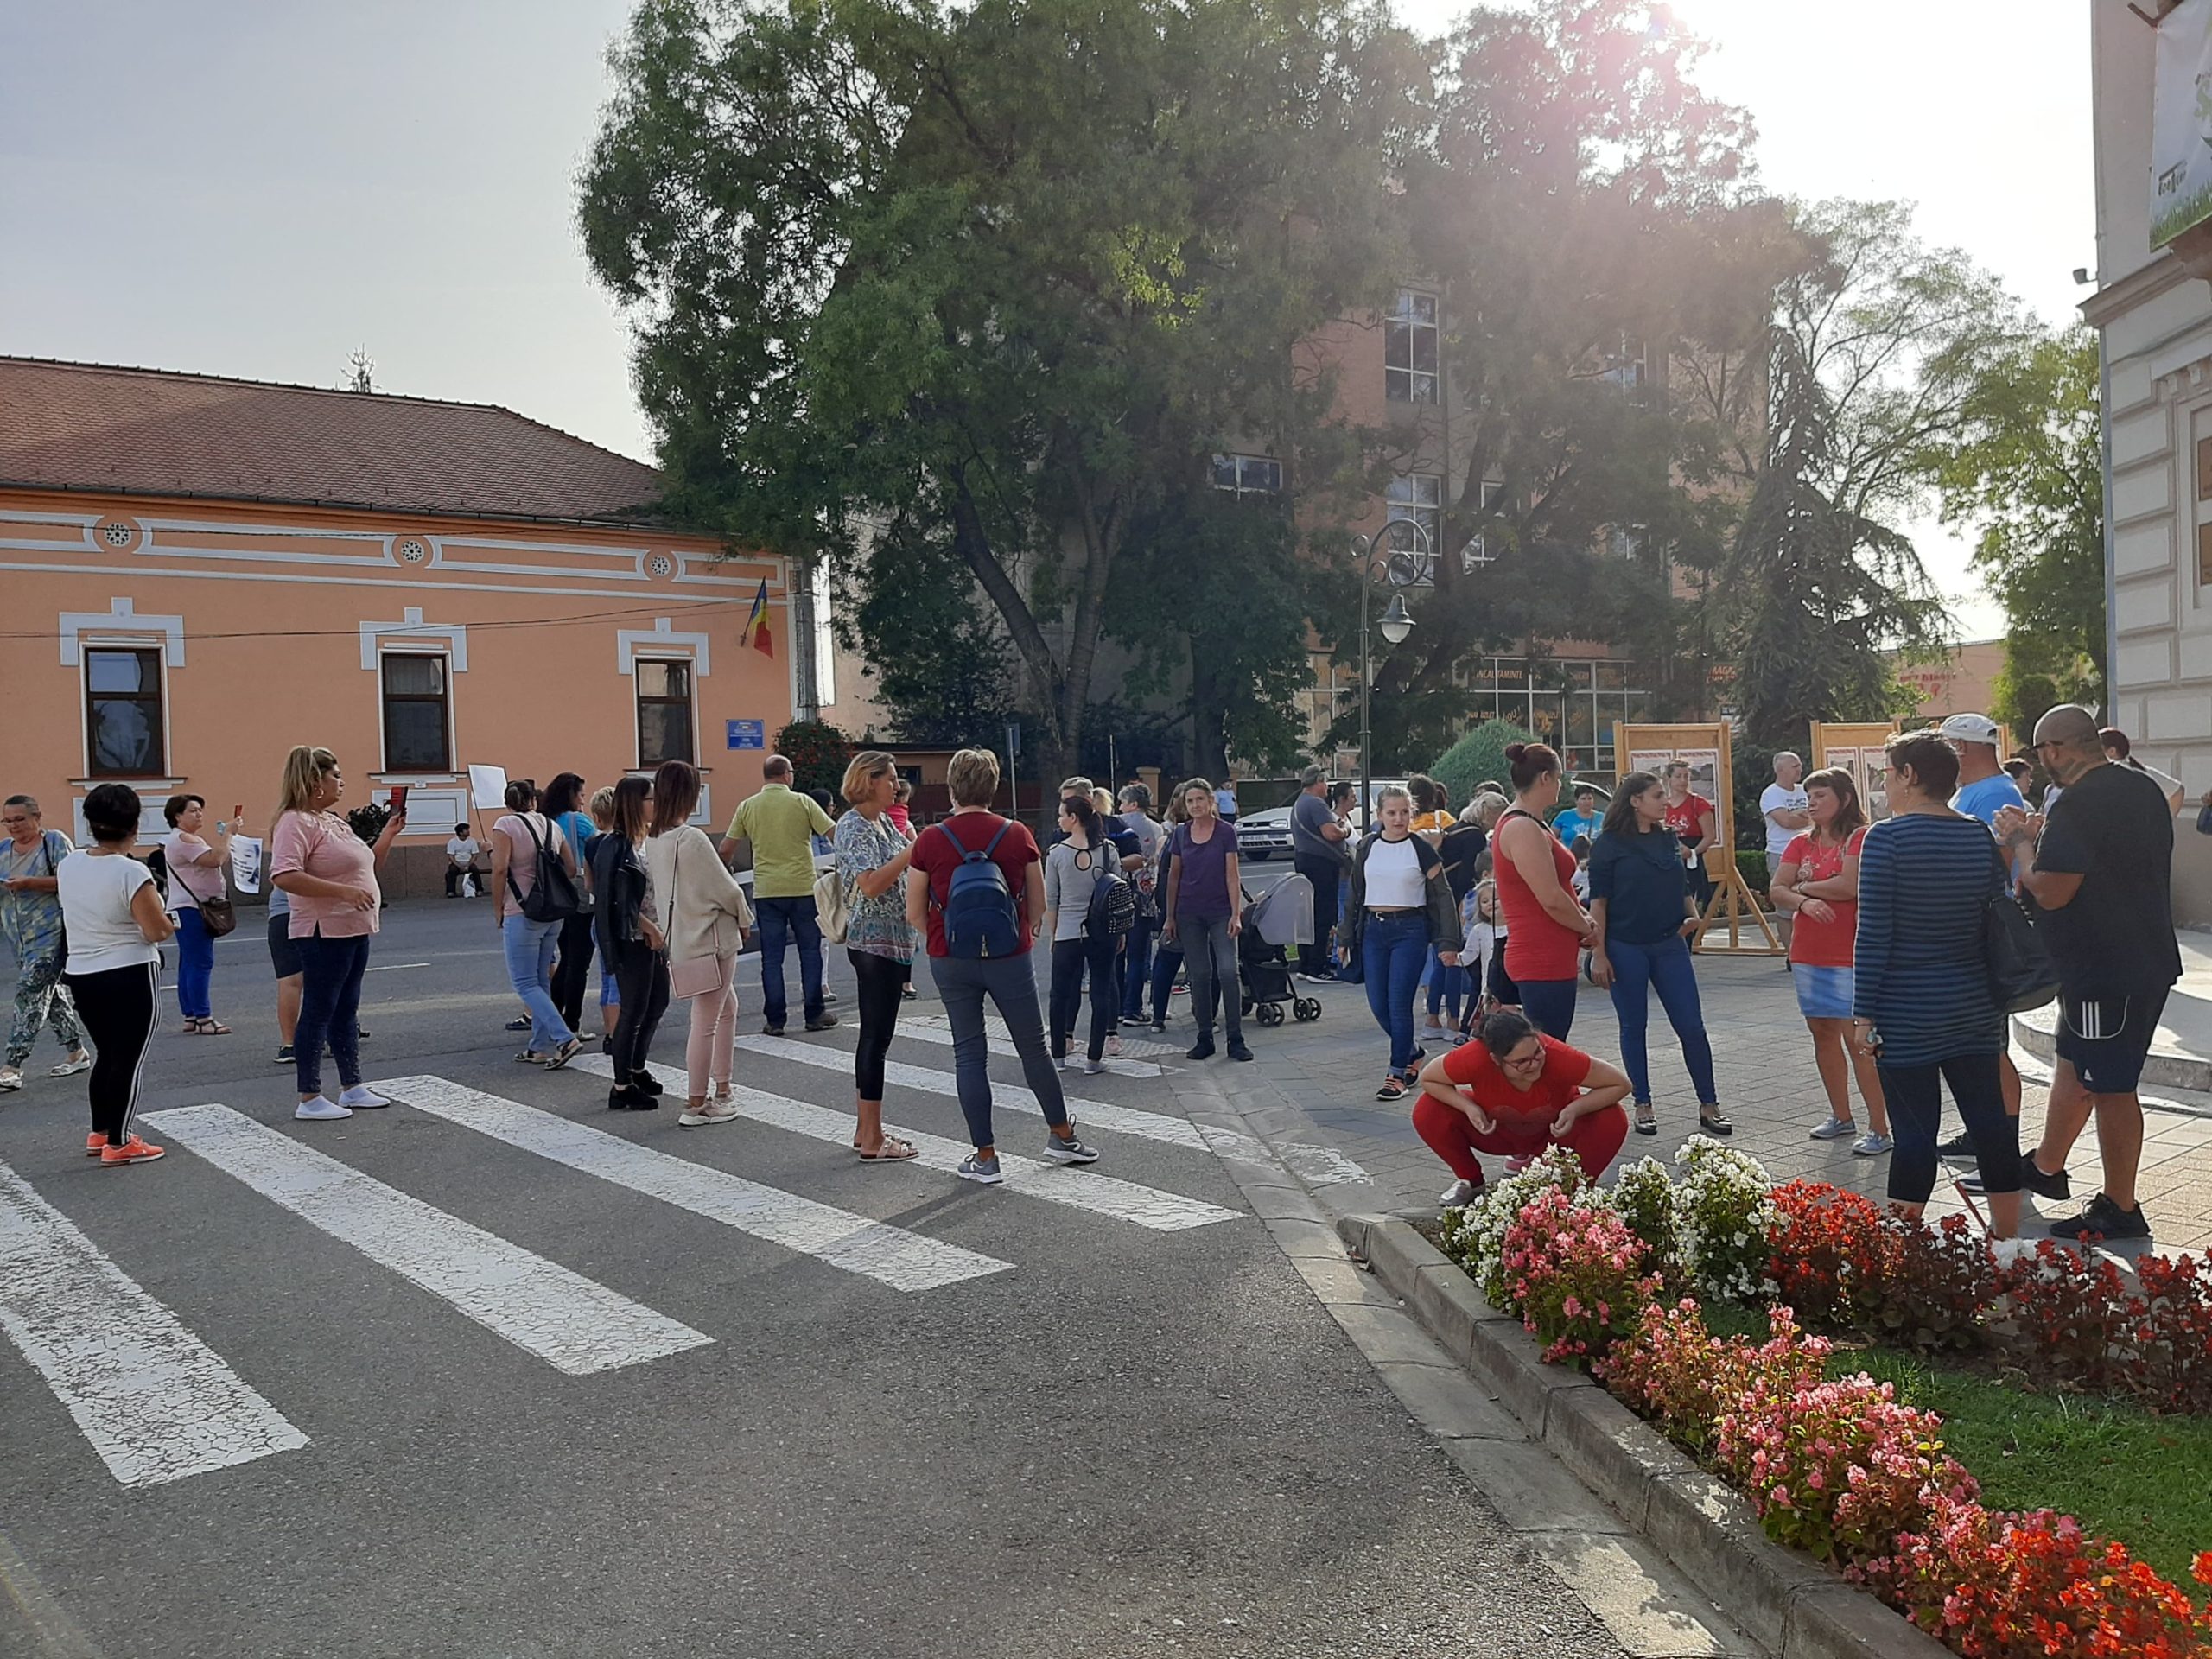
(487,787)
(246,863)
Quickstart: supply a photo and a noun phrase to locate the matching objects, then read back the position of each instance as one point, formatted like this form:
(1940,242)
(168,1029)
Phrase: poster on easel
(1705,748)
(1859,748)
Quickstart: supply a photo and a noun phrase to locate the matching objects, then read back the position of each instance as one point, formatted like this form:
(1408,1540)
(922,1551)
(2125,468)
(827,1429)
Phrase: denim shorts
(1823,993)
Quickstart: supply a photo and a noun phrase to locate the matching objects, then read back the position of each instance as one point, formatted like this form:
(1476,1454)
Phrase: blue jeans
(195,963)
(1392,949)
(529,948)
(1445,985)
(781,920)
(1010,983)
(1136,969)
(1665,967)
(330,1008)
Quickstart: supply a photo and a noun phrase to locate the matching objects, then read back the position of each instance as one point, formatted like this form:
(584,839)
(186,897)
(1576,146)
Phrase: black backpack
(552,897)
(1113,908)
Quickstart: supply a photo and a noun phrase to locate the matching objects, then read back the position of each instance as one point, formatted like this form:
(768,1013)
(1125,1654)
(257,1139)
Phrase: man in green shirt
(781,824)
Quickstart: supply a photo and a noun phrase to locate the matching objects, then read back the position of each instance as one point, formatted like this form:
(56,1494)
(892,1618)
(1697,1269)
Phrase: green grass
(2123,1473)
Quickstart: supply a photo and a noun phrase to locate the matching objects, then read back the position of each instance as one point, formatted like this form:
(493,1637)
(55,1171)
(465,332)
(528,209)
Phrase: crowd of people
(1494,913)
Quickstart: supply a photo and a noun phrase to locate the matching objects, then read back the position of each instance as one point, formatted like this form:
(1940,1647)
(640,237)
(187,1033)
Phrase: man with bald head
(2099,872)
(1784,805)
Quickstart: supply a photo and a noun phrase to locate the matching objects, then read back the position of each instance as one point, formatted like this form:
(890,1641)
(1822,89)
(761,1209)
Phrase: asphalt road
(656,1432)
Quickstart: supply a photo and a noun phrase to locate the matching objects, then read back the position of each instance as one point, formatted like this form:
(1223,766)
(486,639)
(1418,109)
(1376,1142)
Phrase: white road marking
(156,1402)
(929,1028)
(539,1305)
(1319,1165)
(1002,1042)
(1078,1187)
(891,1255)
(392,967)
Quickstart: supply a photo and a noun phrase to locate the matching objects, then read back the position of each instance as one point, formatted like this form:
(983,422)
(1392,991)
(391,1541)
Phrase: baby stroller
(1282,916)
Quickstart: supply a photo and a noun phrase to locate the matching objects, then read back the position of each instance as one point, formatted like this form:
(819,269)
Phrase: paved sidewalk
(1762,1058)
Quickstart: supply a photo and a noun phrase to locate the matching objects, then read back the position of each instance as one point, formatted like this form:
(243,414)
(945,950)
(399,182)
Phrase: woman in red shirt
(1514,1092)
(1546,926)
(1818,882)
(1696,822)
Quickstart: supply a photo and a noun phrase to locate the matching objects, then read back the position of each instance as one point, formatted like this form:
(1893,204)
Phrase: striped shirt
(1923,880)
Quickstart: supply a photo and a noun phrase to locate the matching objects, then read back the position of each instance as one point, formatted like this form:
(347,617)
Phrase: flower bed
(1840,1467)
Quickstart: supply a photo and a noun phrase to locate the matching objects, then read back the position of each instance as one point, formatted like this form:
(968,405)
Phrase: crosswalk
(157,1403)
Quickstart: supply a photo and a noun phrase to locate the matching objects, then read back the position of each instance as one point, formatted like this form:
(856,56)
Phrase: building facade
(198,574)
(2153,310)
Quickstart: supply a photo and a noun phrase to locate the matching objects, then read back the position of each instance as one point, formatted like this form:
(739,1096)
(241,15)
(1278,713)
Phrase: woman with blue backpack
(974,887)
(1085,898)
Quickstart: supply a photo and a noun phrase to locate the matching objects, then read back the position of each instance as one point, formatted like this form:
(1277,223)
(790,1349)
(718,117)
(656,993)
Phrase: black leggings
(1917,1113)
(641,977)
(572,973)
(115,1006)
(1071,959)
(882,988)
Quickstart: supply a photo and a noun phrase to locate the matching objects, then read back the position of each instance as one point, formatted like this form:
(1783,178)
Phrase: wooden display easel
(1845,746)
(1731,895)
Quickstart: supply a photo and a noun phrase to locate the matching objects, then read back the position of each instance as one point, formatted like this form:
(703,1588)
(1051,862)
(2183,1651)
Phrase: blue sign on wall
(748,735)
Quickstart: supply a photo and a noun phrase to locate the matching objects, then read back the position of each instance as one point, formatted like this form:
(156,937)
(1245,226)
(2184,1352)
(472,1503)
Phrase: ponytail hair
(1085,815)
(1530,762)
(305,769)
(1505,1031)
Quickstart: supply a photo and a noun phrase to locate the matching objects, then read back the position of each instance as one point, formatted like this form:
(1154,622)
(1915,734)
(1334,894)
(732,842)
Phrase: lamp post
(1396,623)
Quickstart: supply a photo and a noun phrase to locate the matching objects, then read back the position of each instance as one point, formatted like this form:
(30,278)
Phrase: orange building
(197,573)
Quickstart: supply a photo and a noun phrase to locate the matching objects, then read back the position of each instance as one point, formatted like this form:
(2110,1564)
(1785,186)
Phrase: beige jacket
(692,898)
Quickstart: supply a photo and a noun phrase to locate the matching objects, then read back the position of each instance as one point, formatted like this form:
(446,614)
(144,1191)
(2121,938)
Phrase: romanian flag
(756,625)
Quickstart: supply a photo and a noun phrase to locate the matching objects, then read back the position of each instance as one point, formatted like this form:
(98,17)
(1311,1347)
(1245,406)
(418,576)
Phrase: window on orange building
(1409,346)
(123,717)
(664,722)
(417,726)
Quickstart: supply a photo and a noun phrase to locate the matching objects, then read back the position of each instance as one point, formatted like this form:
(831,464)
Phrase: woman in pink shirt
(330,874)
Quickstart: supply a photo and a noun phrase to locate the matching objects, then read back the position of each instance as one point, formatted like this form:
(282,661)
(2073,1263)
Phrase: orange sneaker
(133,1150)
(95,1144)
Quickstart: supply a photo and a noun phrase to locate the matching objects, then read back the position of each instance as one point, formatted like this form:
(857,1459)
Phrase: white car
(1262,834)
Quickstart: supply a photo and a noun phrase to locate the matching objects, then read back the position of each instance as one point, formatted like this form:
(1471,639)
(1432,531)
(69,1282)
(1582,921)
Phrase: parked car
(1262,834)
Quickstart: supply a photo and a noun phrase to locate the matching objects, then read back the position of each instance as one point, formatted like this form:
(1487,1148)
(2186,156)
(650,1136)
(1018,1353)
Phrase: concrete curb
(1794,1608)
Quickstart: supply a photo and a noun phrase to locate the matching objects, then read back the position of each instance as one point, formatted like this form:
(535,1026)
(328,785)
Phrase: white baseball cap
(1969,728)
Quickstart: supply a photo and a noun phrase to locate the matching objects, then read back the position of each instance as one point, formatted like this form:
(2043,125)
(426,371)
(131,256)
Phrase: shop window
(665,716)
(417,715)
(124,716)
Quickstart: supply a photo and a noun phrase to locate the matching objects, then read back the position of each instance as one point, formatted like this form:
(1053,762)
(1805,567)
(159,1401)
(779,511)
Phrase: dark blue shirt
(1643,882)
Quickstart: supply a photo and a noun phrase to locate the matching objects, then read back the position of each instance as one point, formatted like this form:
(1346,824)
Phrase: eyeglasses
(1525,1062)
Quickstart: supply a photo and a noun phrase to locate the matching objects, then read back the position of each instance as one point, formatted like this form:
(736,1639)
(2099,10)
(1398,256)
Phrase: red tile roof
(88,426)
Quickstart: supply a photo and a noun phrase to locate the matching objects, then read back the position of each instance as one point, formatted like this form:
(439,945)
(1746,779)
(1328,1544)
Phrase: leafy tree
(1011,271)
(1872,357)
(2025,469)
(818,752)
(938,659)
(1478,756)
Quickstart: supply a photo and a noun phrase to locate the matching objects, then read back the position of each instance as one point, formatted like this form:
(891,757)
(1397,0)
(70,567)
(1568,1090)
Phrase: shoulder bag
(218,915)
(833,904)
(2021,972)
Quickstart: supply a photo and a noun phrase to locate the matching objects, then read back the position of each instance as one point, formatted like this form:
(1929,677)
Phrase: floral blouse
(877,926)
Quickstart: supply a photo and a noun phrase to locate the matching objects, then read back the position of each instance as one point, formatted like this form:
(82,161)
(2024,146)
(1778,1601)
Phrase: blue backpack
(979,918)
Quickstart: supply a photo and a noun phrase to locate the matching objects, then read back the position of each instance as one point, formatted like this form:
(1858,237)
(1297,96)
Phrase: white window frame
(1406,383)
(637,701)
(1418,498)
(1266,468)
(1477,552)
(453,734)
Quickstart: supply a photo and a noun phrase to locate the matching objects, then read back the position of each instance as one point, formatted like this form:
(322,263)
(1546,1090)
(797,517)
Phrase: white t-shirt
(1776,798)
(179,850)
(1394,875)
(96,891)
(462,849)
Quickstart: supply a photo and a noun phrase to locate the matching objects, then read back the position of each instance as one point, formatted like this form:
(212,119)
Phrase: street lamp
(1397,622)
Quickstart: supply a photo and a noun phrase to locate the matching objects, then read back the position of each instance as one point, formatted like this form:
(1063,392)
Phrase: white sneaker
(10,1079)
(1836,1128)
(322,1106)
(1460,1193)
(1871,1145)
(362,1098)
(711,1111)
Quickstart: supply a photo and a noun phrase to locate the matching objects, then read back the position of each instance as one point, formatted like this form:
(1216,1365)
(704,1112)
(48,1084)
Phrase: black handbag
(2021,972)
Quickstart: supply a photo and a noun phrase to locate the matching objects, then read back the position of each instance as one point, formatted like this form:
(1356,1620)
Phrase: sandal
(1713,1120)
(1393,1088)
(531,1057)
(892,1151)
(1646,1124)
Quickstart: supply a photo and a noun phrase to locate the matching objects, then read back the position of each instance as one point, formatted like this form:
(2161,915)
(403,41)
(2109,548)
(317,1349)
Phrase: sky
(257,189)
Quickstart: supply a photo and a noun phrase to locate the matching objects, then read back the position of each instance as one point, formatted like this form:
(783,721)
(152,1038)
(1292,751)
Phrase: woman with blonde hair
(871,860)
(330,877)
(701,912)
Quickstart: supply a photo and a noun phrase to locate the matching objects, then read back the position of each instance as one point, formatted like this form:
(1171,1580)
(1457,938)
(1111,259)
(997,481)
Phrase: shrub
(1679,1374)
(1645,1195)
(1478,756)
(2004,1586)
(817,752)
(2073,1316)
(1839,1469)
(2172,1367)
(1820,1250)
(1722,1216)
(1932,1285)
(1575,1275)
(1751,865)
